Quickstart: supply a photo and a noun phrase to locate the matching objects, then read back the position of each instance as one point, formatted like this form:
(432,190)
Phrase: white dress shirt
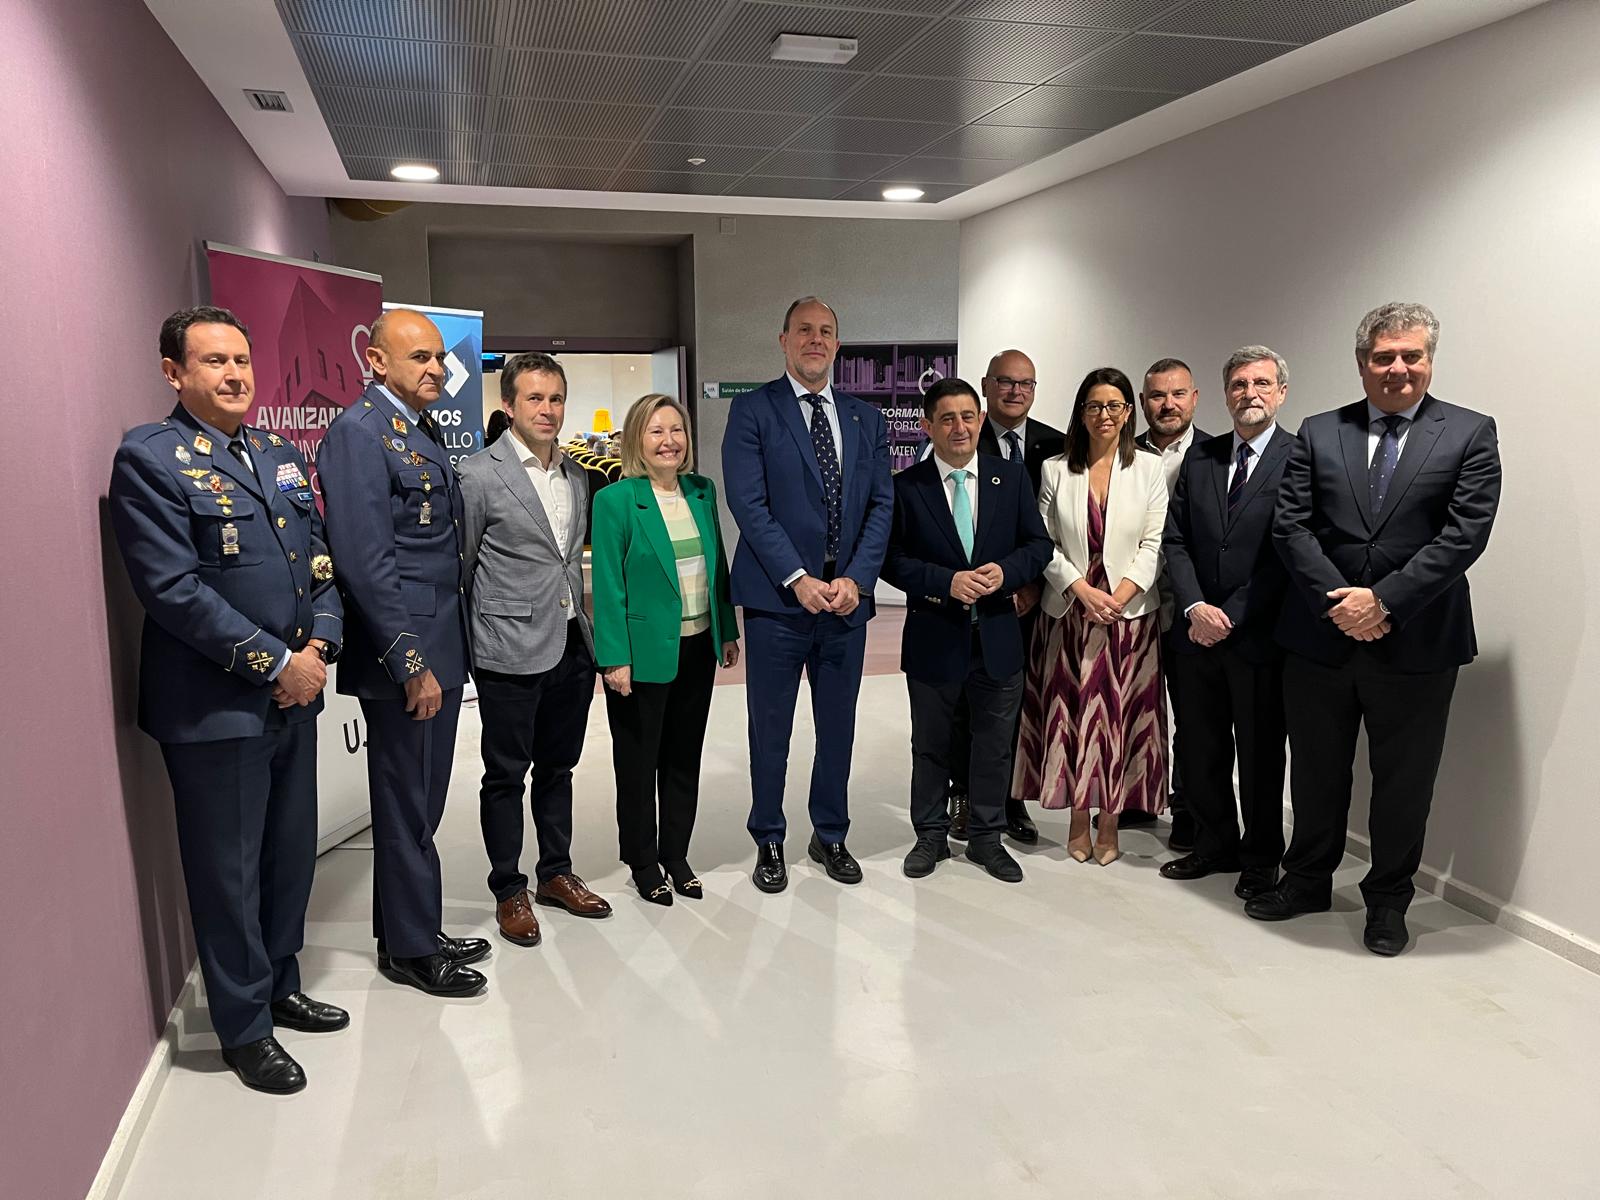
(1172,456)
(1258,446)
(555,494)
(1000,432)
(1375,430)
(970,483)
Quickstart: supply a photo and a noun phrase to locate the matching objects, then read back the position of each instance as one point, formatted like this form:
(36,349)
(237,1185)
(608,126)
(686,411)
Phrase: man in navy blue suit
(219,529)
(967,535)
(1384,505)
(806,471)
(394,521)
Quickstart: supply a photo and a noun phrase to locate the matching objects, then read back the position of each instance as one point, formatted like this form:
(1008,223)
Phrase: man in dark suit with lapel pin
(527,507)
(967,535)
(1009,431)
(394,520)
(1384,506)
(224,546)
(807,476)
(1168,400)
(1228,585)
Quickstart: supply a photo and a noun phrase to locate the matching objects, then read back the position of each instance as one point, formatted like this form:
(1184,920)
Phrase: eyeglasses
(1240,386)
(1006,383)
(1115,409)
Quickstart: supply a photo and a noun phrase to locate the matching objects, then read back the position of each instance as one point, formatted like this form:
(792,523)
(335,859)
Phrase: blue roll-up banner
(460,411)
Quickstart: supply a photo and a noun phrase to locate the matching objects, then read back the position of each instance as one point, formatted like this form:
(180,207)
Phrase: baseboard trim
(119,1154)
(1567,943)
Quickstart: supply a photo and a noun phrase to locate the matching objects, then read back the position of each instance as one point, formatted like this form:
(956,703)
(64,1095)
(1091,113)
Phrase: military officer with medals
(394,522)
(219,529)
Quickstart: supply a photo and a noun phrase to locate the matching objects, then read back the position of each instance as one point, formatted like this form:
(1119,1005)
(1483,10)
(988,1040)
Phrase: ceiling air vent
(268,101)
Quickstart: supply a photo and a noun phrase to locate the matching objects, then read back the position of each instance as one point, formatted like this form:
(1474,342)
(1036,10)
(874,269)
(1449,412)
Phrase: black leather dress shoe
(989,853)
(300,1012)
(1196,866)
(265,1066)
(838,862)
(460,951)
(1129,818)
(960,812)
(1019,825)
(1283,902)
(929,852)
(1386,932)
(436,975)
(1255,881)
(1182,836)
(770,875)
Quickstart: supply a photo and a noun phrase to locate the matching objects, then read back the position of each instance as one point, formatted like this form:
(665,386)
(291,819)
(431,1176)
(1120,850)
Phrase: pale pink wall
(115,162)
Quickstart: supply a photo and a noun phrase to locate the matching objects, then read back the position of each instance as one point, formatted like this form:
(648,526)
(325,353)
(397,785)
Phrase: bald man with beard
(394,514)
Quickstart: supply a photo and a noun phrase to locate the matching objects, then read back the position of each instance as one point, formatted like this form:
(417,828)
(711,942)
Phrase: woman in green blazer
(662,622)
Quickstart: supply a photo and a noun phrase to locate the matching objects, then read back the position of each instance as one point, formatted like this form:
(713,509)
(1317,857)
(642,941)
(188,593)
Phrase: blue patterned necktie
(1384,460)
(1013,446)
(828,460)
(1241,474)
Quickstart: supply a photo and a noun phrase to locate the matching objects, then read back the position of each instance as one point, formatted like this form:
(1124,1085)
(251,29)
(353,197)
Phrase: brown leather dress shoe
(571,893)
(516,920)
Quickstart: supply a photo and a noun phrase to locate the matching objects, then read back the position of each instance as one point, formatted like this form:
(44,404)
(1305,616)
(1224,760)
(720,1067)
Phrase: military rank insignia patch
(414,663)
(321,568)
(259,660)
(274,439)
(400,426)
(202,443)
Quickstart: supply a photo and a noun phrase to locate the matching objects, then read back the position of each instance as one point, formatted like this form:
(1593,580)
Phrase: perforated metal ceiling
(618,95)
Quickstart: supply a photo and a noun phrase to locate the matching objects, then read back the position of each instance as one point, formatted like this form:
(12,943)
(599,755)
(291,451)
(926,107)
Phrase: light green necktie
(961,510)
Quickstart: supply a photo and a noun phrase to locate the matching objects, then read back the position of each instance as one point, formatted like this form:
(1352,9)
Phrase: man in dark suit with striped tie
(1228,582)
(1384,506)
(806,471)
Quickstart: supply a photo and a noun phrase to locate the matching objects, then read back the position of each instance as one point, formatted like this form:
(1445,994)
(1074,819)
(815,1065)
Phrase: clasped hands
(971,586)
(1102,607)
(1358,613)
(841,596)
(301,681)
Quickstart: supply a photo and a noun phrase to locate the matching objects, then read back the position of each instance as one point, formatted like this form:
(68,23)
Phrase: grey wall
(1464,176)
(888,279)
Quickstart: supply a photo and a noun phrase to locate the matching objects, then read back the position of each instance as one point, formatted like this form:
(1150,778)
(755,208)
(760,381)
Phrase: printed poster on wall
(309,325)
(460,410)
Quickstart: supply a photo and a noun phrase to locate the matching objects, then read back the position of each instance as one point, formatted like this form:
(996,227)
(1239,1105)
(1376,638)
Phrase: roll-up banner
(460,410)
(309,325)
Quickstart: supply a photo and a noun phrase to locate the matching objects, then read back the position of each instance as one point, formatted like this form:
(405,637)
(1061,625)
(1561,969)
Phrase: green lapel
(655,528)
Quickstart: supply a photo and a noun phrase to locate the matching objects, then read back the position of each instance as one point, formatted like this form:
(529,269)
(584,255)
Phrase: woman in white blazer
(1094,724)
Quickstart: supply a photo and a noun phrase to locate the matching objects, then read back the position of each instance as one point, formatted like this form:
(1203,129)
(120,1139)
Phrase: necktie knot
(1393,422)
(958,475)
(1245,451)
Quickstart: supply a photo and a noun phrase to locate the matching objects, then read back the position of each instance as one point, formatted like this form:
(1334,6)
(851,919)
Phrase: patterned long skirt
(1094,716)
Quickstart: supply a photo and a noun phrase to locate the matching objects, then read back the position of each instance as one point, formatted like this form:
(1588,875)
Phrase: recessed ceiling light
(805,47)
(902,193)
(415,173)
(697,162)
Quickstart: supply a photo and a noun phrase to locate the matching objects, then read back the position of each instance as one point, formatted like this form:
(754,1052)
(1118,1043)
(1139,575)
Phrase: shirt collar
(1021,431)
(405,409)
(528,458)
(945,468)
(215,434)
(801,390)
(1257,443)
(1376,414)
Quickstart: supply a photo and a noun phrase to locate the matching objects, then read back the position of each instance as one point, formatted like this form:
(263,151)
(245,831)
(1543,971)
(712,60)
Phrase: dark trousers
(961,731)
(1231,705)
(657,733)
(408,775)
(778,646)
(1405,718)
(538,721)
(247,832)
(1177,797)
(991,707)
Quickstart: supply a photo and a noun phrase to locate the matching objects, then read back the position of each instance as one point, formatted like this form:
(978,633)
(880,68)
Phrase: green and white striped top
(693,585)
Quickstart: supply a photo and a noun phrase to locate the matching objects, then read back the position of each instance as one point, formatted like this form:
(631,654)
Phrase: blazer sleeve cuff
(404,660)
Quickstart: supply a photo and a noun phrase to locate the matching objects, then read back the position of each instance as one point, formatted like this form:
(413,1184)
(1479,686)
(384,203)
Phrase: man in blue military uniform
(219,529)
(394,521)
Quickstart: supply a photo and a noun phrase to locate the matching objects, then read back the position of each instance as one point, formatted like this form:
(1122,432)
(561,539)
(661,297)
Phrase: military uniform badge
(321,568)
(400,426)
(182,453)
(202,444)
(259,660)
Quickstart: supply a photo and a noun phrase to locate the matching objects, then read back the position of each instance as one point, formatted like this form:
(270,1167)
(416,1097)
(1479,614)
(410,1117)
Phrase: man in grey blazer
(533,647)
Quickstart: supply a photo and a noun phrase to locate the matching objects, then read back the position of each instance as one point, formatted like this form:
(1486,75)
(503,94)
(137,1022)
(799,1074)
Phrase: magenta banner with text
(309,325)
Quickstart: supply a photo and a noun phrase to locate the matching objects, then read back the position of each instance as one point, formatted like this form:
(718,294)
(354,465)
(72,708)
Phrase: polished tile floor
(1090,1032)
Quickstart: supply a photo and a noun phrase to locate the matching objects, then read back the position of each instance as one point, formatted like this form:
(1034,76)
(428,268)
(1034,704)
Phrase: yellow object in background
(602,420)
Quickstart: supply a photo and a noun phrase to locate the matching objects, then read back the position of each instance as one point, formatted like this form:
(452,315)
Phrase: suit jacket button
(293,557)
(1224,545)
(282,521)
(298,631)
(299,591)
